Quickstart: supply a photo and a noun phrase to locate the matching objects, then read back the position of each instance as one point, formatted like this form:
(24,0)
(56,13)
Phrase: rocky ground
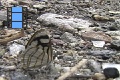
(84,34)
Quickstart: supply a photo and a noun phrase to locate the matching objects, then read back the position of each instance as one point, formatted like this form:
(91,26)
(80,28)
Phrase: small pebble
(99,76)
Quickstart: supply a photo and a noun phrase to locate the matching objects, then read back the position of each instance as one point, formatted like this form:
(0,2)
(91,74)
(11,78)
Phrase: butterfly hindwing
(38,50)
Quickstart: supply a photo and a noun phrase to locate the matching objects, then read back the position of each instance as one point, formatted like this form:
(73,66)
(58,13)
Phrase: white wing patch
(44,40)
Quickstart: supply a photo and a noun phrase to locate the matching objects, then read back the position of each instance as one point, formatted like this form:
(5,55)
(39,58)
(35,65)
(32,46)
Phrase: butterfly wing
(38,50)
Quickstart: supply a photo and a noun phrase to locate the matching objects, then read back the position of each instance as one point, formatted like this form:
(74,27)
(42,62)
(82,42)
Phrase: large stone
(55,20)
(101,52)
(111,72)
(96,36)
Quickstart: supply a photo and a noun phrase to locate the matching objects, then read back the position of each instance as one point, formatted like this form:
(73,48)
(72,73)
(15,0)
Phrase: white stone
(98,43)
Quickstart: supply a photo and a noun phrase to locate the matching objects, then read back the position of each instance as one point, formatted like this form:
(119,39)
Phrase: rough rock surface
(73,25)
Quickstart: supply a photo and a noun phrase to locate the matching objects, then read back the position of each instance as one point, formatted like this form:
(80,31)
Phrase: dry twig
(75,68)
(12,37)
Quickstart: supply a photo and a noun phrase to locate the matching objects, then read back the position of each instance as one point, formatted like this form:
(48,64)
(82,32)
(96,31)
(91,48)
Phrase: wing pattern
(38,51)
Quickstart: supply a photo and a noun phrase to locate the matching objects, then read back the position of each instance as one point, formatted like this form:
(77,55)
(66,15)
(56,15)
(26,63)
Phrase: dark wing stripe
(42,44)
(25,55)
(37,39)
(40,57)
(29,59)
(41,37)
(51,51)
(48,54)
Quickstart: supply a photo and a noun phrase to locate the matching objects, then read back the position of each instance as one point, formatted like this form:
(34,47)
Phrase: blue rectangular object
(16,24)
(16,16)
(16,9)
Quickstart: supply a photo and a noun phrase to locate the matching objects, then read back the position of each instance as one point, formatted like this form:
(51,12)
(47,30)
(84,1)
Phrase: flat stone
(100,52)
(22,2)
(55,20)
(96,36)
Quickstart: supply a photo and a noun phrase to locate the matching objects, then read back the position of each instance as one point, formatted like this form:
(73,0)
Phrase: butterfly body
(38,51)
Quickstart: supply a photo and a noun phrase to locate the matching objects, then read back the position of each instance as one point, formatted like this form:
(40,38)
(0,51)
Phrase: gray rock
(67,58)
(3,15)
(85,71)
(8,68)
(101,52)
(113,33)
(115,44)
(2,52)
(114,26)
(116,35)
(57,42)
(68,37)
(72,44)
(66,69)
(67,27)
(111,72)
(19,76)
(94,66)
(59,20)
(118,22)
(34,11)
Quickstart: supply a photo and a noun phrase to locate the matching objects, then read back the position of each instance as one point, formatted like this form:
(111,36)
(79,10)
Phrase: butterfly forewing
(38,50)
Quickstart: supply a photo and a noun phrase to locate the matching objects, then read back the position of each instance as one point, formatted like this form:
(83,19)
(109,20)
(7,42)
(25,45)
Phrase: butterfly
(38,51)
